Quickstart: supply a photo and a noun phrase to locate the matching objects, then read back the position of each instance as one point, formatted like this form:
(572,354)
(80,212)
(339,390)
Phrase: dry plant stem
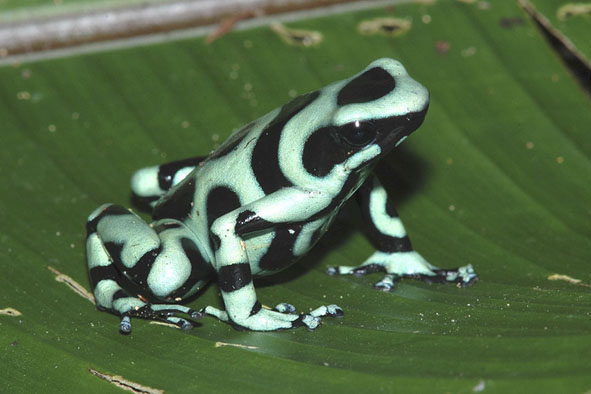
(71,29)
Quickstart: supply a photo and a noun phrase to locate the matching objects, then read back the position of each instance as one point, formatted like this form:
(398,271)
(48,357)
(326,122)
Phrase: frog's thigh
(161,264)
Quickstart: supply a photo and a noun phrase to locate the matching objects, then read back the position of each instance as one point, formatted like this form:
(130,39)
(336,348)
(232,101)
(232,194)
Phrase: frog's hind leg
(150,183)
(395,255)
(131,264)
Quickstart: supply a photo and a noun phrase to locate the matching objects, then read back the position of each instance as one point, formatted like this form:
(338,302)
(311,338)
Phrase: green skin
(260,202)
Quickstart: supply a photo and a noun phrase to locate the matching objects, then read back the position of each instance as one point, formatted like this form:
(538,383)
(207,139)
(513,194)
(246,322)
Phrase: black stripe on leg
(166,172)
(248,221)
(111,210)
(389,244)
(382,242)
(114,250)
(390,209)
(139,272)
(234,277)
(102,272)
(255,308)
(119,294)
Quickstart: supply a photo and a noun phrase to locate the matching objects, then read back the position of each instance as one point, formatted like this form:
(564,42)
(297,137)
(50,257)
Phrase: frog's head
(374,111)
(381,105)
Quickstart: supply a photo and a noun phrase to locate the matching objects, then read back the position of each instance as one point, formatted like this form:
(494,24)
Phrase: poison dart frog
(261,201)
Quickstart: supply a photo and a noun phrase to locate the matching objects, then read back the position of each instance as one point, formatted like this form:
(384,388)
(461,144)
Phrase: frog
(260,202)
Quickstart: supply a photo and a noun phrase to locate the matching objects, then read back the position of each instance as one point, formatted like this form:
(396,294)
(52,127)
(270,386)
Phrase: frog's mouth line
(398,127)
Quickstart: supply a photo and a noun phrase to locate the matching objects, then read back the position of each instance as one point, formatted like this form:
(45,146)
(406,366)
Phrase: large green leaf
(568,21)
(499,176)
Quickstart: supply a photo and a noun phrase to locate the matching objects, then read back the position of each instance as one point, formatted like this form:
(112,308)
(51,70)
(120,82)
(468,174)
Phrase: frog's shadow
(402,173)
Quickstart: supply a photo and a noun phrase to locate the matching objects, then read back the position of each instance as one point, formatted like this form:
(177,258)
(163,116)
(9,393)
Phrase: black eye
(357,133)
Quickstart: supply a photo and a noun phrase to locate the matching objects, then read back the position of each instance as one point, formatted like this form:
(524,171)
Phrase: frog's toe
(196,314)
(284,307)
(357,271)
(125,324)
(332,271)
(462,276)
(180,322)
(467,275)
(387,283)
(307,320)
(328,310)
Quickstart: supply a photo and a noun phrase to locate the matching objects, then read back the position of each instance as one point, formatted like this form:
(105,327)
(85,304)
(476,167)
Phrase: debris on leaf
(387,26)
(124,383)
(161,323)
(568,279)
(10,312)
(573,9)
(238,345)
(72,284)
(305,38)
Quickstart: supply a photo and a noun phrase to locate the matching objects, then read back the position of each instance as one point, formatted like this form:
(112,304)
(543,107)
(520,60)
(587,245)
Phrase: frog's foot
(407,265)
(324,310)
(160,312)
(283,316)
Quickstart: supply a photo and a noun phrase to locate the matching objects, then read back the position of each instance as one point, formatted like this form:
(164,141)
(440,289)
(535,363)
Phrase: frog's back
(243,169)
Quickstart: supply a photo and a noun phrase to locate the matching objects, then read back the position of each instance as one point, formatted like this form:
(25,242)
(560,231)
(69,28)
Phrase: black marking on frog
(140,271)
(248,221)
(279,255)
(234,277)
(369,86)
(265,159)
(316,159)
(177,205)
(255,308)
(112,210)
(220,201)
(167,171)
(103,272)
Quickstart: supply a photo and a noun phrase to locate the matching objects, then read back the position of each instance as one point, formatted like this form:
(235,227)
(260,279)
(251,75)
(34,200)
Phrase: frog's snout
(416,119)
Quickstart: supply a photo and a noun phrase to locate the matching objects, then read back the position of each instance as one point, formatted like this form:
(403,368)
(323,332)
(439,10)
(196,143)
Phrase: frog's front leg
(131,263)
(233,267)
(394,254)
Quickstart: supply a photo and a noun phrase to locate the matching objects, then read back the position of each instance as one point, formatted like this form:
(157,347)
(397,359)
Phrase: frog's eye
(357,133)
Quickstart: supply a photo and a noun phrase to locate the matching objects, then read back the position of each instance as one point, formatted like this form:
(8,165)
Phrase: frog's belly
(272,251)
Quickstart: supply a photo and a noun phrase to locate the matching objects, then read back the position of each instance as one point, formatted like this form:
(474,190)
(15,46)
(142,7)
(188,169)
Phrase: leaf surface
(498,176)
